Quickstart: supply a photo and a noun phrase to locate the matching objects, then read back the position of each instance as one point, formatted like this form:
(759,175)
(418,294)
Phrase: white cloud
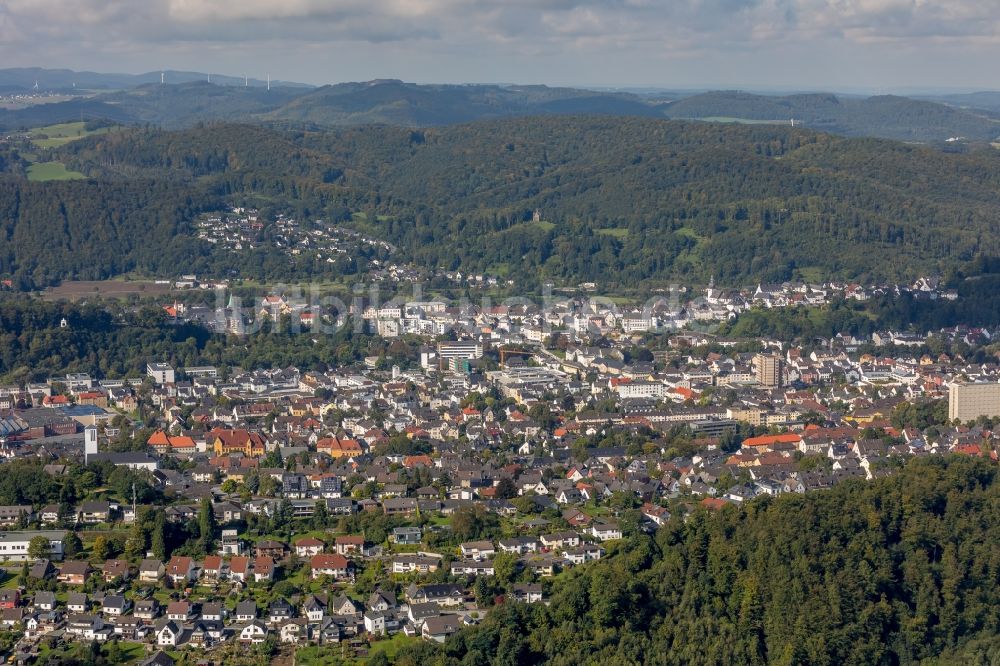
(493,31)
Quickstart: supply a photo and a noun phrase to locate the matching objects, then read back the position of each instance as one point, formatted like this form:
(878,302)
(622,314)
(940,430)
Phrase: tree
(135,545)
(506,489)
(483,591)
(473,522)
(268,648)
(268,485)
(158,540)
(371,577)
(93,652)
(114,655)
(320,514)
(282,519)
(273,459)
(100,548)
(72,546)
(206,526)
(525,504)
(623,499)
(40,548)
(378,658)
(505,565)
(67,515)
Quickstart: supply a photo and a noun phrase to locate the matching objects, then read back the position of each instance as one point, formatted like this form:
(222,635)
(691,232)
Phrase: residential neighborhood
(293,507)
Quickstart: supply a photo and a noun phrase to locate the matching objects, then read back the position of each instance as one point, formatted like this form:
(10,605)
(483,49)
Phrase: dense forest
(95,229)
(136,214)
(902,570)
(625,202)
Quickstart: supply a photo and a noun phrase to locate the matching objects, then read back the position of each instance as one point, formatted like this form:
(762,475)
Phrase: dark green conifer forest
(625,202)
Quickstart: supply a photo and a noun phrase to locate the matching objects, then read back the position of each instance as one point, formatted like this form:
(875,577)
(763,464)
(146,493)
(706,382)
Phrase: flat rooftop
(28,535)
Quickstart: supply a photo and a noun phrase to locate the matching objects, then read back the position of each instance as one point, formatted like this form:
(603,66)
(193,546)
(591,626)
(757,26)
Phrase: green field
(544,225)
(390,646)
(41,171)
(620,234)
(121,652)
(688,232)
(810,273)
(60,135)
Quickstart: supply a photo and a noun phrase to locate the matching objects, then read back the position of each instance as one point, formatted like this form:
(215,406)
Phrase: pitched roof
(329,561)
(770,440)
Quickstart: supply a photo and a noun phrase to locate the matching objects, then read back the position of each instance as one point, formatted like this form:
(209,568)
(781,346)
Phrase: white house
(253,633)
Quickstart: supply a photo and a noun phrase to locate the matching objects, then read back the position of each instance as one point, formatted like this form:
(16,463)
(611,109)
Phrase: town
(195,511)
(242,229)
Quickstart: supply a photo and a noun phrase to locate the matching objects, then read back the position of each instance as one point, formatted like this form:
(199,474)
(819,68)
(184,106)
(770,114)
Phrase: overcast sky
(830,44)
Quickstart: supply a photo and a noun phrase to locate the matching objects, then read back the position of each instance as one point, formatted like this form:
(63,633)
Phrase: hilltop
(622,201)
(187,98)
(886,116)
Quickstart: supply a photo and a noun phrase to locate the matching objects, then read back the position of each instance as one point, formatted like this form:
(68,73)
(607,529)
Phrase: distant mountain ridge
(387,102)
(398,103)
(187,98)
(885,116)
(25,78)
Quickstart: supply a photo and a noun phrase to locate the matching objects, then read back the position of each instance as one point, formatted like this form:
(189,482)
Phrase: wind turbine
(268,81)
(161,78)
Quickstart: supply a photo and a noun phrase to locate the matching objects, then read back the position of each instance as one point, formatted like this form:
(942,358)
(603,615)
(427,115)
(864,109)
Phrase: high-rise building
(465,349)
(769,370)
(89,443)
(162,373)
(968,401)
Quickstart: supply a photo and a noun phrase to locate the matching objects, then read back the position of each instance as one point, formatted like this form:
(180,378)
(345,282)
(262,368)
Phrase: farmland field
(77,289)
(63,133)
(41,171)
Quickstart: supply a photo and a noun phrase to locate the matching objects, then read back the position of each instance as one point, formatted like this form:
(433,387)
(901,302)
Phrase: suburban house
(74,573)
(180,569)
(309,546)
(151,570)
(326,564)
(443,594)
(441,627)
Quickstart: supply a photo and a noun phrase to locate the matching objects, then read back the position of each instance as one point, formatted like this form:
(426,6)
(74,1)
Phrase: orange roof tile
(769,440)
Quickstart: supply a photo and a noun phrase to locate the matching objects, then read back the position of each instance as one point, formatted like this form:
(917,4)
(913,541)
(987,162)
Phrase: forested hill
(411,105)
(623,201)
(902,570)
(886,116)
(175,106)
(185,101)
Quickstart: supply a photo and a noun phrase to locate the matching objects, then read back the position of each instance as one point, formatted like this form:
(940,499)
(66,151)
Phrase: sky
(750,44)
